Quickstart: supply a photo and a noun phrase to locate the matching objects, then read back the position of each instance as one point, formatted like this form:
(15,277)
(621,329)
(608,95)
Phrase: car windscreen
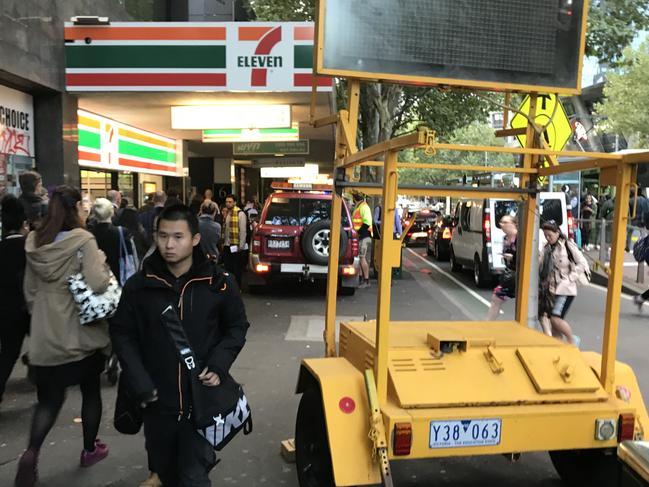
(551,209)
(300,211)
(283,211)
(505,208)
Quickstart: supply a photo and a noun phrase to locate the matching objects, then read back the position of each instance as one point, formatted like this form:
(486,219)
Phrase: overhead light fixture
(198,117)
(90,20)
(252,135)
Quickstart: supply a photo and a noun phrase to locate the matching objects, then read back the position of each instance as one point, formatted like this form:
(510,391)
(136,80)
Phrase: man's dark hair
(28,181)
(231,196)
(13,214)
(179,212)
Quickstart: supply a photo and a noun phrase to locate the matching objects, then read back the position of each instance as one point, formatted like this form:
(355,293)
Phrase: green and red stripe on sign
(138,56)
(89,139)
(128,148)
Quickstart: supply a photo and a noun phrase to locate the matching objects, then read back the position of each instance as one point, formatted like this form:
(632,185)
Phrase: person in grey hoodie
(62,352)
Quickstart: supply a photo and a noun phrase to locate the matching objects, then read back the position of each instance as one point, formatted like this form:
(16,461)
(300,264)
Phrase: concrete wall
(31,38)
(32,60)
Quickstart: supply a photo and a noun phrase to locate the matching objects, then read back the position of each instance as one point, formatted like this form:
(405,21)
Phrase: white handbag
(93,306)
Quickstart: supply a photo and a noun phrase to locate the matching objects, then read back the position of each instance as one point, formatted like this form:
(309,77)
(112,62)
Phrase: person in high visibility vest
(362,221)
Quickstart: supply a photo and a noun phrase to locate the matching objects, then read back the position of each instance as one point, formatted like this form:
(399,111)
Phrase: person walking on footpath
(362,222)
(31,197)
(210,230)
(178,277)
(148,217)
(506,289)
(561,268)
(108,236)
(62,352)
(234,238)
(15,320)
(115,198)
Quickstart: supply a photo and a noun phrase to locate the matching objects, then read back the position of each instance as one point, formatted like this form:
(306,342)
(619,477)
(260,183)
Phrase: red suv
(292,239)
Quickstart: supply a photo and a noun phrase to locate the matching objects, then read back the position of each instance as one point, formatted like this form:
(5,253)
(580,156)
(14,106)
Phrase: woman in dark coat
(130,221)
(107,234)
(15,321)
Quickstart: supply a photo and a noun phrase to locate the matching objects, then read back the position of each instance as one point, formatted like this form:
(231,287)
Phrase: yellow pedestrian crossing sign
(549,114)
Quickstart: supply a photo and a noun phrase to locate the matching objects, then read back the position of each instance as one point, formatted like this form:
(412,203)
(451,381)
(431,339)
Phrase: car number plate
(279,244)
(465,432)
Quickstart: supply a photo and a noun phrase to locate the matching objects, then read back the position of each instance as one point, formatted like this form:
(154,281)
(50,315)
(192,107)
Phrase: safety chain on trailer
(429,147)
(377,431)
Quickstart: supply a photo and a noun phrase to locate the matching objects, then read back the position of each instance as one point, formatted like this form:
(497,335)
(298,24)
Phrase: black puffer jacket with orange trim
(209,304)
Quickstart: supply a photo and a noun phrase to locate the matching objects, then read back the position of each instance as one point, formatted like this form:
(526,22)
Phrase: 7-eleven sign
(271,57)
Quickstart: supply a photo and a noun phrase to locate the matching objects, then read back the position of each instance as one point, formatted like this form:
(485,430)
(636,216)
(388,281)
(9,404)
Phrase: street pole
(533,302)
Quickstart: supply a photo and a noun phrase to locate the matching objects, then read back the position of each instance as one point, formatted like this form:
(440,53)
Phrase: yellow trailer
(412,390)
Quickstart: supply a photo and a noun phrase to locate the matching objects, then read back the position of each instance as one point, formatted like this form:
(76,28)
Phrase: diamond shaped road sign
(558,130)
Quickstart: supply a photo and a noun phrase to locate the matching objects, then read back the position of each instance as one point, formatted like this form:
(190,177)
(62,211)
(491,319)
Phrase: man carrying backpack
(208,314)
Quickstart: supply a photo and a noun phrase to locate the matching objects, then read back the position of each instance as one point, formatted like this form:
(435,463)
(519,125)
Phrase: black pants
(12,335)
(177,453)
(233,262)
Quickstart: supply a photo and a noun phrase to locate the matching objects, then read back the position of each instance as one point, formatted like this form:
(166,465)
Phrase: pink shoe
(27,474)
(89,458)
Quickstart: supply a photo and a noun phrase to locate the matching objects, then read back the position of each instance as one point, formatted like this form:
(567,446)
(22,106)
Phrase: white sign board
(16,122)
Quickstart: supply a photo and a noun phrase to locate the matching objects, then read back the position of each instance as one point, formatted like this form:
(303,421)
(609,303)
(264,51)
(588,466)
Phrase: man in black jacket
(209,305)
(31,189)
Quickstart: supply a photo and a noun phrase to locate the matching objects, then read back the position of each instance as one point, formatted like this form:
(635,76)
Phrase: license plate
(279,244)
(460,433)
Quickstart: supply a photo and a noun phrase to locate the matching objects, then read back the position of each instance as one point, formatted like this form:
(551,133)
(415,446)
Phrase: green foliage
(626,103)
(140,9)
(612,26)
(477,133)
(283,10)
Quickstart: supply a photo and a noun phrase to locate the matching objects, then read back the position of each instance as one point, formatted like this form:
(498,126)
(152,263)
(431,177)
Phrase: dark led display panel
(531,43)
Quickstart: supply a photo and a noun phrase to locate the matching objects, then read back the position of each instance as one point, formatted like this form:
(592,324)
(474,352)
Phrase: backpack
(255,214)
(570,247)
(128,264)
(641,249)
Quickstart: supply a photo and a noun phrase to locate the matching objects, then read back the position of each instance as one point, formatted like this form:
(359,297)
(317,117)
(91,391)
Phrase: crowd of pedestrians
(161,256)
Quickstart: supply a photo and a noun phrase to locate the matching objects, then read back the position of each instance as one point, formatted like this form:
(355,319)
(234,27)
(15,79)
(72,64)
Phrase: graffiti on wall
(13,141)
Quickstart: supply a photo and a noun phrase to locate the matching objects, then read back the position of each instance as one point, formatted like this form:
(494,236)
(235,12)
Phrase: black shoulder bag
(219,412)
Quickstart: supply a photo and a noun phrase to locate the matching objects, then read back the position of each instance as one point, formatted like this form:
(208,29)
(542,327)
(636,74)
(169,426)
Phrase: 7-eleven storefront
(128,76)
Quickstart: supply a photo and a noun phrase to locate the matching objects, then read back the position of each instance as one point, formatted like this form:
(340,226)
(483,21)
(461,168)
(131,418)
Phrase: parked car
(418,233)
(292,239)
(438,241)
(477,240)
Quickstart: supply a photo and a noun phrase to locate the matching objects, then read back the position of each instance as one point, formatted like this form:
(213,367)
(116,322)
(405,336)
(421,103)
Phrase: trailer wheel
(594,468)
(312,455)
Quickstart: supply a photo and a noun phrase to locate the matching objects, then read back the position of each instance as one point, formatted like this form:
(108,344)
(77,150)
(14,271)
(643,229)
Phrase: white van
(477,240)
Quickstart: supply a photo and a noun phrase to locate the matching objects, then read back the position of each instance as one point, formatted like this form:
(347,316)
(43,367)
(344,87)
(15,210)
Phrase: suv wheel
(478,273)
(455,267)
(315,242)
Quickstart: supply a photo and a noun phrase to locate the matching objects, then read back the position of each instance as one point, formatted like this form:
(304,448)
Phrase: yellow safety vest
(357,219)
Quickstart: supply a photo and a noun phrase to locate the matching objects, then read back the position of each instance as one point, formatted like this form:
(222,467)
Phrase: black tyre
(315,242)
(312,455)
(429,252)
(455,267)
(479,276)
(346,291)
(438,253)
(592,468)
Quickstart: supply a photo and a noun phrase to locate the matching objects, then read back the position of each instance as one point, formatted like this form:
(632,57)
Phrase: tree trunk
(379,103)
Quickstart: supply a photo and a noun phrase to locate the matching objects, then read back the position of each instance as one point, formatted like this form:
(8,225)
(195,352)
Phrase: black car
(418,232)
(438,241)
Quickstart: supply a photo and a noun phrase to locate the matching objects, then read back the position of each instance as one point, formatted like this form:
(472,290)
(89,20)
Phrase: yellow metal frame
(433,81)
(361,370)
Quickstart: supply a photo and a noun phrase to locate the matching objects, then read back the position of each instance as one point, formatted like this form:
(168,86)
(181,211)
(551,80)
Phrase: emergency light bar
(302,186)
